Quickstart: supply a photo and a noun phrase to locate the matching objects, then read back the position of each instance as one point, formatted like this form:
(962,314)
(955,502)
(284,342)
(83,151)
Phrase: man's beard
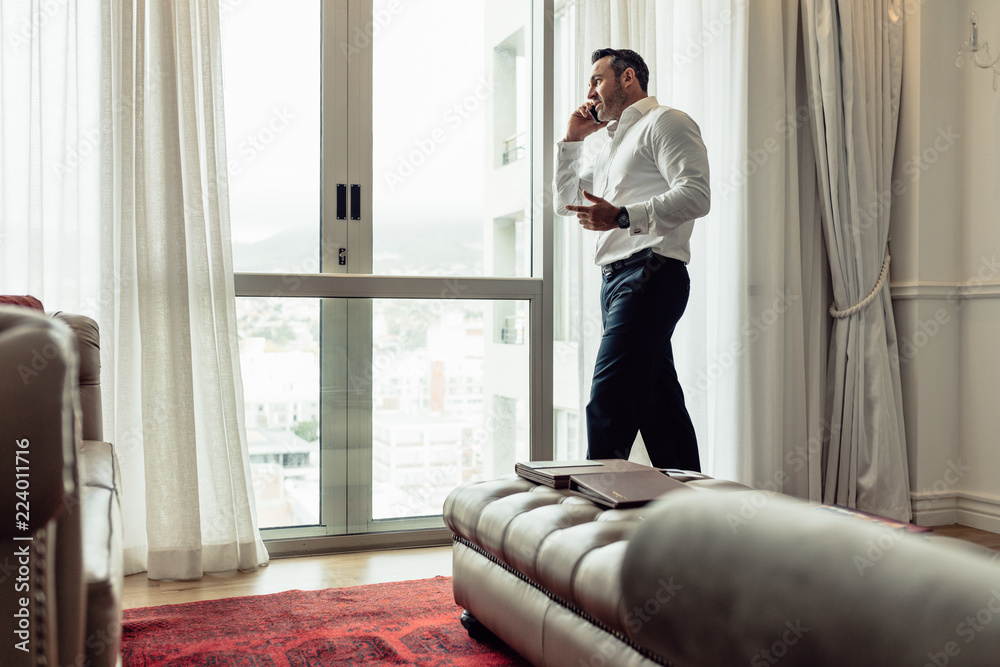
(614,106)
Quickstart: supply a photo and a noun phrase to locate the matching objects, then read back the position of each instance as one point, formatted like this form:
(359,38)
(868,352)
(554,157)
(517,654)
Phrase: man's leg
(666,426)
(641,306)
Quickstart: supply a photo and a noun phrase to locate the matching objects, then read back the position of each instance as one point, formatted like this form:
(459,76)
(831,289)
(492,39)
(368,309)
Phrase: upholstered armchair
(60,519)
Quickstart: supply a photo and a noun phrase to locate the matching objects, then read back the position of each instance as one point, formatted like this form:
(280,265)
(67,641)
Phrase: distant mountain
(400,249)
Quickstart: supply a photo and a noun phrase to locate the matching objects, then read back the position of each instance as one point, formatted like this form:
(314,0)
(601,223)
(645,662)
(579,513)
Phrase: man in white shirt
(642,195)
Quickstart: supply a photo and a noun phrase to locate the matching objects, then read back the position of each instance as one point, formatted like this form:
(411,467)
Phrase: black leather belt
(641,257)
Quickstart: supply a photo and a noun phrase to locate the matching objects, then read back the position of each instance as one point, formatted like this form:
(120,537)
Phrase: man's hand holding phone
(583,122)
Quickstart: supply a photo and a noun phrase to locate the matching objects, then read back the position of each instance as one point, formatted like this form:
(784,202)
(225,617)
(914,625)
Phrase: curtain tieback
(858,307)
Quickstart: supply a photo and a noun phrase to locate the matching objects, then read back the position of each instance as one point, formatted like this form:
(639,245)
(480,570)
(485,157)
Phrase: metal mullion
(386,287)
(542,226)
(333,236)
(359,318)
(359,415)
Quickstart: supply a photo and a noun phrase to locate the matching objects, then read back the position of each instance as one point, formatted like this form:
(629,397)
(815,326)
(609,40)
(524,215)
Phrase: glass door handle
(355,202)
(341,201)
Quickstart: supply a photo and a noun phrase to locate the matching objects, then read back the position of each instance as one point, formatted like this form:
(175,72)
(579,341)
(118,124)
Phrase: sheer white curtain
(113,204)
(854,62)
(50,134)
(786,333)
(750,348)
(171,365)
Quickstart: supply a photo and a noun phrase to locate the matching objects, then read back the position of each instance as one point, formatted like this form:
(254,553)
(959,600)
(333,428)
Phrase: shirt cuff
(570,150)
(638,220)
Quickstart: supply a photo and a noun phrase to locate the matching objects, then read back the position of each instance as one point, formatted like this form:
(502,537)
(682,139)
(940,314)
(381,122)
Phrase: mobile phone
(593,113)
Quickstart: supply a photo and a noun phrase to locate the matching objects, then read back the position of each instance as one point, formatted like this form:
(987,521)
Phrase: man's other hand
(601,217)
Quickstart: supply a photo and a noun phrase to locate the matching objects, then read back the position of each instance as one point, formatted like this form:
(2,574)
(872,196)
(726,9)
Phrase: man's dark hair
(621,60)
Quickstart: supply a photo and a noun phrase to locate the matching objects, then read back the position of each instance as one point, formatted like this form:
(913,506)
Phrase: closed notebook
(556,474)
(632,488)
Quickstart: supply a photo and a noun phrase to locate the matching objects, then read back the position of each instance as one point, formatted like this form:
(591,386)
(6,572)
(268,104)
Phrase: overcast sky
(272,71)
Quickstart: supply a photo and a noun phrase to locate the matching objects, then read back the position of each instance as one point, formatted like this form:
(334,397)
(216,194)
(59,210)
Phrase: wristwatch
(622,218)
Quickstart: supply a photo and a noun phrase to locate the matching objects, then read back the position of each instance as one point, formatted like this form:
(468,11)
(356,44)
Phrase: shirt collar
(631,114)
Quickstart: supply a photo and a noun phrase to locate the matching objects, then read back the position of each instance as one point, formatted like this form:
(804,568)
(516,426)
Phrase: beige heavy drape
(853,55)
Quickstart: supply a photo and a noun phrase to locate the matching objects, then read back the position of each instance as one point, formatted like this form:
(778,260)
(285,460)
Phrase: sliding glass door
(385,249)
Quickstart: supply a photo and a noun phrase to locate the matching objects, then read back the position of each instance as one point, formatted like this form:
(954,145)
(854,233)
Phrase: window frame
(347,291)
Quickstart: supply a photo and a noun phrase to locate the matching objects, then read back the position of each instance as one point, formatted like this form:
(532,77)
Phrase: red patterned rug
(402,623)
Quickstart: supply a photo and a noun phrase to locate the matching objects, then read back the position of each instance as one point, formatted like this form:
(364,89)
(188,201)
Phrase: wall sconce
(972,49)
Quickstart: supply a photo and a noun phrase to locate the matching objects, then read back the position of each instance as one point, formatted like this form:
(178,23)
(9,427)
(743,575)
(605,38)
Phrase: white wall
(945,285)
(979,435)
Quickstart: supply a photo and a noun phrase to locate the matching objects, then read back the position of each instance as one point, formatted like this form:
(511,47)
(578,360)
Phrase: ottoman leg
(476,630)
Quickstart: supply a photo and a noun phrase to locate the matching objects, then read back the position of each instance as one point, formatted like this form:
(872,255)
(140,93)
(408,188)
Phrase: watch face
(623,218)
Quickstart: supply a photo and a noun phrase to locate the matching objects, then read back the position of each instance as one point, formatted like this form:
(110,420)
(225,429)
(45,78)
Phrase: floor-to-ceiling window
(390,302)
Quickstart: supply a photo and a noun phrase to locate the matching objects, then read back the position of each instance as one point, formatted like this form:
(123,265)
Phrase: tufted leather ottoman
(541,568)
(727,576)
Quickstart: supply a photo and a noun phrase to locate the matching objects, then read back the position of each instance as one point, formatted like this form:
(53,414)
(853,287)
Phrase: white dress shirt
(656,166)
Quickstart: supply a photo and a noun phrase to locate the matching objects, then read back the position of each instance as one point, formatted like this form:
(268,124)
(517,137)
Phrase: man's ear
(628,76)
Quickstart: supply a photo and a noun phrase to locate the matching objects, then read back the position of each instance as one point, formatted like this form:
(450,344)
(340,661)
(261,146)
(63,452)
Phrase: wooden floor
(354,569)
(284,574)
(980,537)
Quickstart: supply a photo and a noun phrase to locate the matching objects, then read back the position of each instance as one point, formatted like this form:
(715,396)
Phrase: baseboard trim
(932,509)
(977,510)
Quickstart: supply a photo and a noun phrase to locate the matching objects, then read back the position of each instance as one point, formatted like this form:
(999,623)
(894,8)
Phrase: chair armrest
(88,348)
(38,380)
(103,556)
